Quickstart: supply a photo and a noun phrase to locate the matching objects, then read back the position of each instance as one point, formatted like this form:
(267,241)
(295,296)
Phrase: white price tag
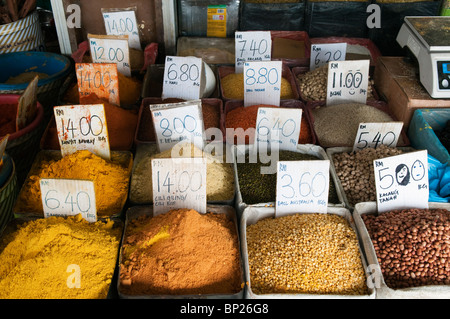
(184,78)
(372,135)
(279,128)
(178,122)
(179,183)
(82,127)
(62,197)
(322,54)
(402,181)
(302,187)
(123,22)
(348,82)
(262,83)
(111,49)
(252,46)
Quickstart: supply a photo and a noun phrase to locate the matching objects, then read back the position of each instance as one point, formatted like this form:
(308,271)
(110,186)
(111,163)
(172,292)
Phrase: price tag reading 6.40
(262,83)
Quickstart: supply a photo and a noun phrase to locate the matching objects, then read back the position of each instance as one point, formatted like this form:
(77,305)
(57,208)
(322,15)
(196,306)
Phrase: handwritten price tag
(252,46)
(111,49)
(322,54)
(302,187)
(178,122)
(402,181)
(98,78)
(123,22)
(62,197)
(262,83)
(348,82)
(372,135)
(179,183)
(279,128)
(184,78)
(82,127)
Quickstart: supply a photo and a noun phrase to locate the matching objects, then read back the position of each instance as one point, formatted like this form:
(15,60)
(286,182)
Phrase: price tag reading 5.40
(82,127)
(402,181)
(111,49)
(302,187)
(252,46)
(179,183)
(372,135)
(262,83)
(62,197)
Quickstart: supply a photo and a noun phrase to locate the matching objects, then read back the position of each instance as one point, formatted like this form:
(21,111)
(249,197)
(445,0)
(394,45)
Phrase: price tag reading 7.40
(179,183)
(348,82)
(262,83)
(372,135)
(279,128)
(99,78)
(252,46)
(322,54)
(82,127)
(402,181)
(303,187)
(62,197)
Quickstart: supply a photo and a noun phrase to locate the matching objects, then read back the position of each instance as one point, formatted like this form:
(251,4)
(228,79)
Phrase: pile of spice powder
(8,114)
(181,252)
(36,259)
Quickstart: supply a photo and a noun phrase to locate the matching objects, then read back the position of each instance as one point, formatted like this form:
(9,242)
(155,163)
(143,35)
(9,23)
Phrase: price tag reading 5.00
(402,181)
(179,183)
(372,135)
(62,197)
(262,83)
(302,186)
(252,46)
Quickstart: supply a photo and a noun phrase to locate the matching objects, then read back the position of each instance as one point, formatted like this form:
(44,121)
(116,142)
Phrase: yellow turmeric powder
(36,261)
(111,179)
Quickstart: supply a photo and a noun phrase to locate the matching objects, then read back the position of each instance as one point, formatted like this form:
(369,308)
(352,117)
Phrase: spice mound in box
(36,259)
(111,179)
(181,252)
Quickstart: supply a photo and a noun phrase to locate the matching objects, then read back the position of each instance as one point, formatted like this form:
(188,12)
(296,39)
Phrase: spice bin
(134,213)
(253,215)
(293,48)
(382,290)
(211,50)
(8,190)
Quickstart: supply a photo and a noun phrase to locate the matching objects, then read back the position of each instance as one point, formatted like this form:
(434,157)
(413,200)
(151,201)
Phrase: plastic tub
(8,190)
(22,35)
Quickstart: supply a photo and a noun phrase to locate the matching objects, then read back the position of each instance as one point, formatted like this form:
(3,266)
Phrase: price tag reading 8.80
(302,186)
(62,197)
(252,46)
(262,83)
(179,183)
(372,135)
(402,181)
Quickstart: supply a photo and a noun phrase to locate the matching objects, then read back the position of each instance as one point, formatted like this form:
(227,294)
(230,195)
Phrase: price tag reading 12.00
(179,183)
(61,197)
(402,181)
(111,49)
(252,46)
(302,187)
(372,135)
(98,78)
(348,82)
(262,83)
(321,54)
(82,127)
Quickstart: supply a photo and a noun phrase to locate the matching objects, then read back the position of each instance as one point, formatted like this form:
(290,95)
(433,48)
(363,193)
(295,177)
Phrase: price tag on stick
(62,197)
(27,108)
(322,54)
(82,127)
(402,181)
(262,83)
(111,49)
(123,22)
(302,187)
(252,46)
(179,183)
(372,135)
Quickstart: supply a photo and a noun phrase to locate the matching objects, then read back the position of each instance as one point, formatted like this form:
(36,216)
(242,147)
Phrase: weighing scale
(428,38)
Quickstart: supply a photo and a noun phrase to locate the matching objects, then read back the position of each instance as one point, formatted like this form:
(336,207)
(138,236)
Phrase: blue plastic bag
(439,181)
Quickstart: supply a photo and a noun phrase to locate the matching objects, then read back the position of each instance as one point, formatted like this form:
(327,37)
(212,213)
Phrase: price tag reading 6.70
(62,197)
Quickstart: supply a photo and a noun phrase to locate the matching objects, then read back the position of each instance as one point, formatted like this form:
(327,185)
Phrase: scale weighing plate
(428,38)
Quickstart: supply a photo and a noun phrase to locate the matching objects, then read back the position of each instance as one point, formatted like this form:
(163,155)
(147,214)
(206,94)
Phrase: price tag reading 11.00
(252,46)
(111,49)
(402,181)
(262,83)
(82,127)
(62,197)
(302,187)
(372,135)
(179,183)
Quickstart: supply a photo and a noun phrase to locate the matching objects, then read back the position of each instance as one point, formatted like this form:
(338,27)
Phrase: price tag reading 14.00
(402,181)
(372,135)
(262,83)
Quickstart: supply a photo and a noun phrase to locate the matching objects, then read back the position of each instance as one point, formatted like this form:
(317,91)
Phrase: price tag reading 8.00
(372,135)
(111,49)
(279,128)
(322,54)
(262,83)
(179,183)
(82,127)
(302,187)
(62,197)
(348,82)
(252,46)
(184,78)
(402,181)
